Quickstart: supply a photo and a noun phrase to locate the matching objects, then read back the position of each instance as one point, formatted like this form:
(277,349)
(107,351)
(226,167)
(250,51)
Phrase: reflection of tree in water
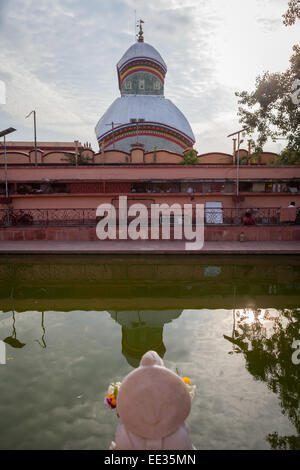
(266,343)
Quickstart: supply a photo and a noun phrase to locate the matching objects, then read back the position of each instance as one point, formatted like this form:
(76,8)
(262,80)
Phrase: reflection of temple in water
(142,330)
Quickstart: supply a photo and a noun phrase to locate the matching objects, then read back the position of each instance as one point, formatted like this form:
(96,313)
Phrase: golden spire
(140,35)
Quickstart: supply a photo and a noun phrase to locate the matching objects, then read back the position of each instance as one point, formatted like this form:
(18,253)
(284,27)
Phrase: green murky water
(73,324)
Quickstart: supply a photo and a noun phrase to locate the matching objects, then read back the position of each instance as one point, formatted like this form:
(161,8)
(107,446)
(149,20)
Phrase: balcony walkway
(151,247)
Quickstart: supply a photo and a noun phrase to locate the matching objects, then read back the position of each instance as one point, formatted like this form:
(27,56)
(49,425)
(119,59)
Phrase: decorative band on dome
(146,129)
(142,65)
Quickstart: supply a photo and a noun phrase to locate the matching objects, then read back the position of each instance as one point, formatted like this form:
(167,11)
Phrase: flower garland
(112,393)
(191,388)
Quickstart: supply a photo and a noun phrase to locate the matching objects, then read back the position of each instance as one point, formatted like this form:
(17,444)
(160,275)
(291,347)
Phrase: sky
(59,57)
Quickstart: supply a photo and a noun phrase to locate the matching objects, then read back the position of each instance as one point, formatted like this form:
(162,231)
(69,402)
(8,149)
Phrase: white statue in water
(153,403)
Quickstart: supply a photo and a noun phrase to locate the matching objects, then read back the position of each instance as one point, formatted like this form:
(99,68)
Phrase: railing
(53,217)
(234,216)
(87,216)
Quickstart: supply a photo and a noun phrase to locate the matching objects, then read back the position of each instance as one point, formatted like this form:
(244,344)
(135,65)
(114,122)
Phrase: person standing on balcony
(248,219)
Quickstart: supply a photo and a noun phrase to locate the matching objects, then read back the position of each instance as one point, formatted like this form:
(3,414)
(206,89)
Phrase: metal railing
(235,215)
(52,217)
(87,216)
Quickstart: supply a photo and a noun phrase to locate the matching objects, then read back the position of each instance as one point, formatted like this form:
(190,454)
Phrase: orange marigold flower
(186,380)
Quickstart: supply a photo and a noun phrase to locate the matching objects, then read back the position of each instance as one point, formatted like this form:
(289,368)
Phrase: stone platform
(155,247)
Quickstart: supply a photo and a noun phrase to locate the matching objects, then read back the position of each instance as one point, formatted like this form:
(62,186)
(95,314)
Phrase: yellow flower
(186,380)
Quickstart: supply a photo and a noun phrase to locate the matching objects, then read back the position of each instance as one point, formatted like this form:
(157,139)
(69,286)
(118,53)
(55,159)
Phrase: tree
(81,158)
(270,110)
(269,359)
(190,157)
(293,12)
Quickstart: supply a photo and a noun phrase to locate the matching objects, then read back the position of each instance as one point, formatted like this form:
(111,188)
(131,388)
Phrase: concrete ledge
(150,247)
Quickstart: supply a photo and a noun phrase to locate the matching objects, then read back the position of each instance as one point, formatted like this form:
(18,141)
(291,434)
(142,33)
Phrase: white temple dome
(142,115)
(155,110)
(141,50)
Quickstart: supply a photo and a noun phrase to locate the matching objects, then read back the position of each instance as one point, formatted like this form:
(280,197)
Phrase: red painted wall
(212,233)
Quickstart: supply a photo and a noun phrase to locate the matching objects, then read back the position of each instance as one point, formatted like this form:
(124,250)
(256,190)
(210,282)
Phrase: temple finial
(141,33)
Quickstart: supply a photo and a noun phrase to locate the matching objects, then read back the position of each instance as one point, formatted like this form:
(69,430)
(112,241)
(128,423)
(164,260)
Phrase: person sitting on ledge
(152,404)
(248,219)
(288,214)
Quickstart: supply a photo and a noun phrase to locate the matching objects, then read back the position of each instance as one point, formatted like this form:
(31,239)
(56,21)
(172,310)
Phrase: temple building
(142,116)
(50,191)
